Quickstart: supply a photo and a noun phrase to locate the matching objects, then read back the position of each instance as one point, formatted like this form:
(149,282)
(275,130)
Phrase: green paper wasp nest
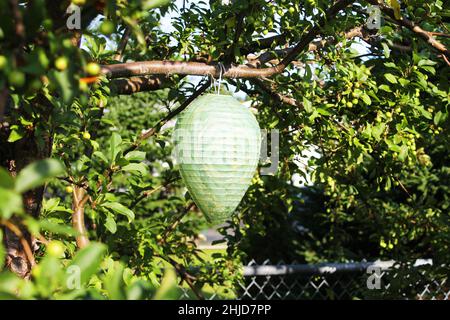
(217,144)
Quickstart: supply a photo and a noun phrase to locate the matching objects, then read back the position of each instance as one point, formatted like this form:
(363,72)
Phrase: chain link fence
(333,281)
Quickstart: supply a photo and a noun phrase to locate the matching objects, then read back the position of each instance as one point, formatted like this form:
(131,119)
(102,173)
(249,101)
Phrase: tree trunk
(17,240)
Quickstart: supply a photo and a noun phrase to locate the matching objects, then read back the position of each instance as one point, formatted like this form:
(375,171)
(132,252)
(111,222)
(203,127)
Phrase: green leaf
(390,77)
(403,153)
(439,117)
(10,203)
(110,223)
(100,155)
(395,5)
(114,146)
(50,204)
(426,62)
(385,88)
(119,208)
(386,50)
(139,167)
(16,133)
(87,261)
(135,156)
(114,283)
(307,105)
(366,99)
(378,130)
(6,181)
(64,82)
(168,289)
(57,228)
(151,4)
(38,173)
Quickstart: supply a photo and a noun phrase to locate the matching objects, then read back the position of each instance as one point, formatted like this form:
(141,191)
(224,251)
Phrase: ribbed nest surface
(217,144)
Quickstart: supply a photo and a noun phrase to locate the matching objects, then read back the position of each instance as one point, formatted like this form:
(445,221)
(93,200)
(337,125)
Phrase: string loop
(221,71)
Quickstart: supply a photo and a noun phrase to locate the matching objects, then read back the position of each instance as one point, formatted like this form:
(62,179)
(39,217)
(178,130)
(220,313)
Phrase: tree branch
(139,84)
(276,95)
(125,70)
(425,35)
(23,241)
(4,93)
(264,43)
(150,132)
(313,46)
(80,198)
(149,192)
(123,43)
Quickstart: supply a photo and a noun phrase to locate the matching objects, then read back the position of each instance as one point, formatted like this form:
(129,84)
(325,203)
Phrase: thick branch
(313,46)
(426,35)
(139,84)
(275,95)
(264,43)
(80,198)
(196,68)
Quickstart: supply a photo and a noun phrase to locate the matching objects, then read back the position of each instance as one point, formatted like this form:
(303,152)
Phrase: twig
(3,101)
(440,34)
(152,131)
(445,59)
(26,246)
(19,27)
(123,43)
(229,56)
(404,22)
(184,275)
(147,193)
(402,186)
(172,227)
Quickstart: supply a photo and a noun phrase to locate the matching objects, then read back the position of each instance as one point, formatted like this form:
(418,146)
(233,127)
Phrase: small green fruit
(291,9)
(93,68)
(86,135)
(355,101)
(69,189)
(55,248)
(349,104)
(61,63)
(3,62)
(83,86)
(47,24)
(16,78)
(107,27)
(36,271)
(35,85)
(79,2)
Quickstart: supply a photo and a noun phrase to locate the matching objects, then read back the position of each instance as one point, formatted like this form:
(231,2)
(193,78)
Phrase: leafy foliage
(371,109)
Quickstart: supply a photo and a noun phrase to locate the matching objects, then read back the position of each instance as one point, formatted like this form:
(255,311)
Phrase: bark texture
(14,157)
